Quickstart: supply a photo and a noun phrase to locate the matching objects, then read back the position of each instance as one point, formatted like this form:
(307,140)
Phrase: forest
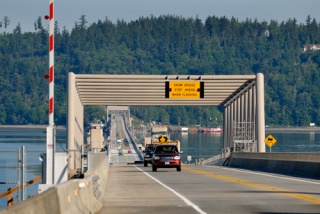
(163,45)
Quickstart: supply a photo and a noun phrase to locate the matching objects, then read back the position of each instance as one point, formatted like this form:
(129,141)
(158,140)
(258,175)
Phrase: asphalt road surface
(207,189)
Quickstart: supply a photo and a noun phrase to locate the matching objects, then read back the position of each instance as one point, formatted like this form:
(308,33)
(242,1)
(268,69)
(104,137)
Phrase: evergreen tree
(163,45)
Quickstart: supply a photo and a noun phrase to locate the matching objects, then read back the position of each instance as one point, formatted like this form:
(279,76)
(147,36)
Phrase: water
(34,141)
(295,141)
(32,138)
(198,145)
(206,145)
(193,144)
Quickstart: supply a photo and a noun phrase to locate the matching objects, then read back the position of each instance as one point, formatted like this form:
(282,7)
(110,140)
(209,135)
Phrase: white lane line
(265,174)
(174,192)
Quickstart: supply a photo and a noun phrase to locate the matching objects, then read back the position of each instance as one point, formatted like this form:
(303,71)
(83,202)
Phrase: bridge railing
(18,169)
(217,160)
(74,196)
(139,153)
(294,164)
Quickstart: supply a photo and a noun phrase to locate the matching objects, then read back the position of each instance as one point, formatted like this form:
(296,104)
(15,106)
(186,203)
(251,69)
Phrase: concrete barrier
(305,165)
(74,196)
(215,160)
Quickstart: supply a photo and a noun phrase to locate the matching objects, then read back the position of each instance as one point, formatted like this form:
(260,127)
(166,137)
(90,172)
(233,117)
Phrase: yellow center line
(300,196)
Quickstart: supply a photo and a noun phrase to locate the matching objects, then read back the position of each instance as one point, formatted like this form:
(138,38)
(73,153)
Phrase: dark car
(147,157)
(166,156)
(105,148)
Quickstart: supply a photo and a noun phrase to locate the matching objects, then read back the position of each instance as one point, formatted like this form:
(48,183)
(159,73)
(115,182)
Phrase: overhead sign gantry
(242,97)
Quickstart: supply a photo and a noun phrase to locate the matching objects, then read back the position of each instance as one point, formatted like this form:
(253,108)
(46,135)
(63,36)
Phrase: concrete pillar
(225,125)
(71,121)
(254,112)
(238,110)
(237,113)
(260,113)
(245,110)
(249,112)
(241,109)
(231,121)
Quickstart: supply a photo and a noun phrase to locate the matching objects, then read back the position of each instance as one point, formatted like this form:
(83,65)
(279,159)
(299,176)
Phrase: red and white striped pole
(51,133)
(51,63)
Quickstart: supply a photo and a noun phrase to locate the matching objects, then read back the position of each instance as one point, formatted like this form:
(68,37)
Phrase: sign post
(189,158)
(270,141)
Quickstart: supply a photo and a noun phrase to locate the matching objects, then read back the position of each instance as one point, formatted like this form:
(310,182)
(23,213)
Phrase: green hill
(164,45)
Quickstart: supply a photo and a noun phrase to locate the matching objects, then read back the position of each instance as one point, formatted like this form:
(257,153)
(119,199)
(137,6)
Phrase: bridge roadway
(126,145)
(207,189)
(202,189)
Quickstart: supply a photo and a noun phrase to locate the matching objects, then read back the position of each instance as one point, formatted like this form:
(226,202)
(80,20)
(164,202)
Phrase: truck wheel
(145,163)
(154,168)
(179,168)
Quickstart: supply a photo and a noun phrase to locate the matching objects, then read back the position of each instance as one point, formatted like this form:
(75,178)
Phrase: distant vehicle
(160,135)
(166,156)
(120,152)
(147,155)
(105,148)
(126,142)
(129,151)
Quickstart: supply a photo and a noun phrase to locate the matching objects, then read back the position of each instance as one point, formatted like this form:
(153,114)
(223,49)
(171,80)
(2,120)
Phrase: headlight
(176,158)
(156,158)
(147,156)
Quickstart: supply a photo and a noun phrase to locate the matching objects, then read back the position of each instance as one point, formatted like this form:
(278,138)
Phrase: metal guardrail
(20,165)
(225,153)
(9,192)
(139,153)
(17,166)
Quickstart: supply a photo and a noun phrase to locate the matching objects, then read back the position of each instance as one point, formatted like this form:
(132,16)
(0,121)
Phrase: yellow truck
(160,135)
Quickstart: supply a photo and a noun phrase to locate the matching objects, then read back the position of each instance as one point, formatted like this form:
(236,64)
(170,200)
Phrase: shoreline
(29,126)
(293,129)
(302,128)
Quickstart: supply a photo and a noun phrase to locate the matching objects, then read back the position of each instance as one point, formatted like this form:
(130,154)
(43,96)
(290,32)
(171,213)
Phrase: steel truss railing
(244,137)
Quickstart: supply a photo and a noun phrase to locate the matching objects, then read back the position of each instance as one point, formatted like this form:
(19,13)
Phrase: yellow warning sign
(270,140)
(185,89)
(163,139)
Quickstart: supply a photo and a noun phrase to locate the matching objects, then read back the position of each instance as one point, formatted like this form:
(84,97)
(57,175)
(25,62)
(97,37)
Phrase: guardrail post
(23,174)
(10,198)
(19,173)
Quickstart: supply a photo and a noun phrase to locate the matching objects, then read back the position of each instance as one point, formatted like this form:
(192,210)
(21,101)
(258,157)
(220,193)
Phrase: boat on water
(184,129)
(217,130)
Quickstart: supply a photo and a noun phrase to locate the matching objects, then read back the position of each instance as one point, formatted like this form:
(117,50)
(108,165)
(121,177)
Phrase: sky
(67,12)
